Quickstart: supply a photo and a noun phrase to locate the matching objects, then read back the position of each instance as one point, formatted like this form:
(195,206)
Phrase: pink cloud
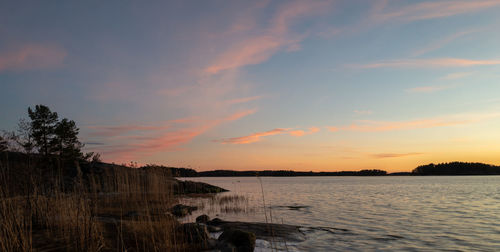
(441,43)
(375,126)
(333,129)
(244,99)
(110,131)
(314,129)
(257,49)
(429,63)
(380,126)
(454,76)
(160,140)
(399,13)
(394,155)
(32,56)
(297,133)
(431,10)
(253,137)
(429,89)
(256,137)
(248,52)
(238,115)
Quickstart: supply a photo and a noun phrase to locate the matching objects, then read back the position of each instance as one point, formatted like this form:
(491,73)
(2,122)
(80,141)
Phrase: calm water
(447,213)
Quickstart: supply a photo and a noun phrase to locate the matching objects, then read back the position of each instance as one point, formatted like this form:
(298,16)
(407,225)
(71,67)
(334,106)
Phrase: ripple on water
(379,213)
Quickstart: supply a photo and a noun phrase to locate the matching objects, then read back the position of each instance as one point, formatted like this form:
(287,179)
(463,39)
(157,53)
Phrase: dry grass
(215,204)
(120,209)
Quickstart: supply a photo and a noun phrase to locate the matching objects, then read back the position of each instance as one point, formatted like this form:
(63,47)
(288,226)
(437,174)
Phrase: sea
(388,213)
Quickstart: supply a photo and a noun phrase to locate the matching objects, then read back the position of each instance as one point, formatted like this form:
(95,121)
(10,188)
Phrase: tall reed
(106,209)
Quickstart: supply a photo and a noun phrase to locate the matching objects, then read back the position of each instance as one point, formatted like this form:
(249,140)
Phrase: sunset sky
(300,85)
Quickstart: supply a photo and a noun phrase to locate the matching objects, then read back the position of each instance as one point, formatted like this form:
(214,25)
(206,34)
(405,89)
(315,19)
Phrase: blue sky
(303,85)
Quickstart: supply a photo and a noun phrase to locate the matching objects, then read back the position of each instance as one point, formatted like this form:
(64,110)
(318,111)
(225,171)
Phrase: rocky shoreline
(219,235)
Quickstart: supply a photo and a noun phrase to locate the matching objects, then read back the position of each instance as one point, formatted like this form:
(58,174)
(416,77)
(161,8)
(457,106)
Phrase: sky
(256,85)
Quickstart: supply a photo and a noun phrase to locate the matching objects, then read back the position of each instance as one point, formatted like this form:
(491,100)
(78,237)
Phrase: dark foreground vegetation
(47,204)
(457,168)
(53,197)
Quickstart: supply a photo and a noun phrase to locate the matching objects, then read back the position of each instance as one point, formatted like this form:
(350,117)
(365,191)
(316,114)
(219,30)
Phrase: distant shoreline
(444,169)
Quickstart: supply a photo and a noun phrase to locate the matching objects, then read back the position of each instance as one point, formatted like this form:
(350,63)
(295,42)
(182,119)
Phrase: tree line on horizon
(457,168)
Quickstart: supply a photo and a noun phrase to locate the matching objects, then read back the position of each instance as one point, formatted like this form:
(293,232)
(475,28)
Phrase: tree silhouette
(43,124)
(65,142)
(24,136)
(3,144)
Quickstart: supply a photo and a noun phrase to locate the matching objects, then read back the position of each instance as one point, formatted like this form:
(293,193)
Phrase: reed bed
(215,204)
(115,209)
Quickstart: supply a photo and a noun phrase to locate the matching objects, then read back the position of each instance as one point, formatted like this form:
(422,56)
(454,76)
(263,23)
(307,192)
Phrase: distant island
(457,168)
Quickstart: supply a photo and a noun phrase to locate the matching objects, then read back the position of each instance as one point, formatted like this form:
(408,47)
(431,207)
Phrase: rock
(243,241)
(194,233)
(202,219)
(213,229)
(211,243)
(215,222)
(226,247)
(263,231)
(180,210)
(186,187)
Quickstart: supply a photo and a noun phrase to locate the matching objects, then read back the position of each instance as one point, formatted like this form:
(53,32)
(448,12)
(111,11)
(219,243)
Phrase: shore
(106,207)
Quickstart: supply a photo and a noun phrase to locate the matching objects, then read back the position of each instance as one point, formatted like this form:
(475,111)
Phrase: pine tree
(66,143)
(43,124)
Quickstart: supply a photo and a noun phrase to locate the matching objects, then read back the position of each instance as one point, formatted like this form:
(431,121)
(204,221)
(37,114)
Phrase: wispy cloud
(111,131)
(384,12)
(32,56)
(253,137)
(163,138)
(454,76)
(244,99)
(256,137)
(430,10)
(394,155)
(430,89)
(441,42)
(333,128)
(447,121)
(311,130)
(257,49)
(428,63)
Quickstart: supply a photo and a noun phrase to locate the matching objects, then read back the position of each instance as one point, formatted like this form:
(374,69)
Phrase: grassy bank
(53,205)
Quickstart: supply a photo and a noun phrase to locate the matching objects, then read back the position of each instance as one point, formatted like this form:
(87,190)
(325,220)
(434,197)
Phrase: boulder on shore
(202,219)
(187,187)
(241,240)
(180,210)
(262,230)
